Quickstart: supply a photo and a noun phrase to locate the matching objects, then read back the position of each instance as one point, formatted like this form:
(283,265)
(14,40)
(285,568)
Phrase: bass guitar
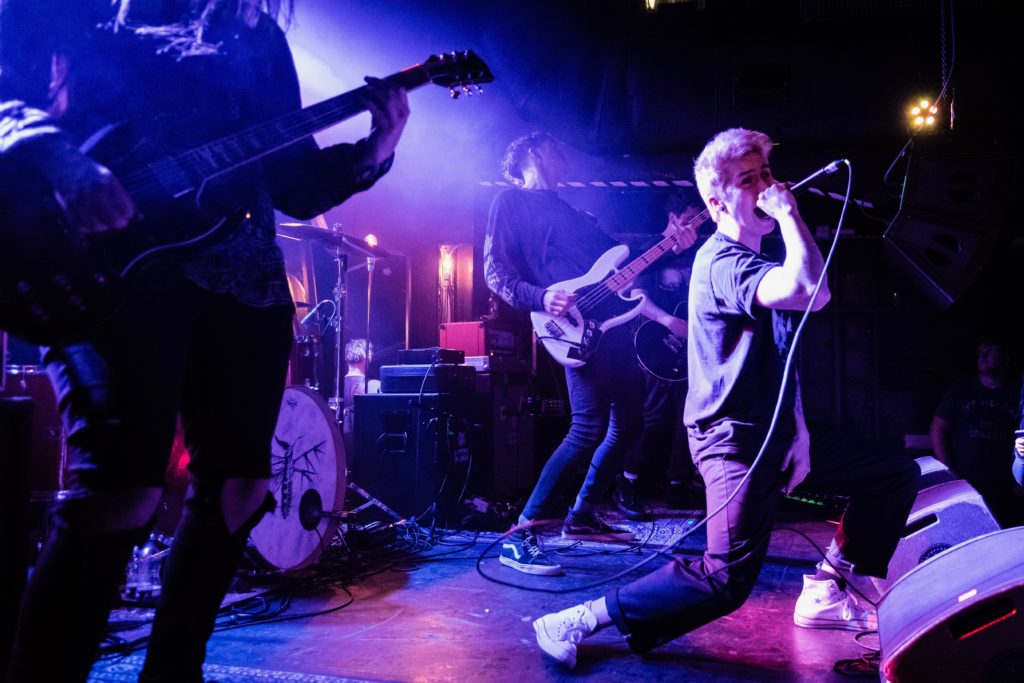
(56,285)
(601,302)
(660,352)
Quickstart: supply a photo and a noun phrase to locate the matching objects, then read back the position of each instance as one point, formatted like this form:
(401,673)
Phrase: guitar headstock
(461,72)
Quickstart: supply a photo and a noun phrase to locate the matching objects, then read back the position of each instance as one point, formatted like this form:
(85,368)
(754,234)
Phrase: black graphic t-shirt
(736,354)
(981,423)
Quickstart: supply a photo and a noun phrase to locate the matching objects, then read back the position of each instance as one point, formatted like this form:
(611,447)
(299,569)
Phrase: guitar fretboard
(240,148)
(617,282)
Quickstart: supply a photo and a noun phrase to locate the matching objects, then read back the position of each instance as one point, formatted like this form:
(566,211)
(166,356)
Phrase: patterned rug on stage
(127,669)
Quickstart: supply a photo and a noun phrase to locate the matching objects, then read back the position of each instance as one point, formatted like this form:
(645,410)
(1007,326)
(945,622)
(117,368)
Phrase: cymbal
(329,238)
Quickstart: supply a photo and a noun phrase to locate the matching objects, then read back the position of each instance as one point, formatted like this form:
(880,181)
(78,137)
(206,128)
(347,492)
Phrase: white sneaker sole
(537,569)
(839,624)
(553,648)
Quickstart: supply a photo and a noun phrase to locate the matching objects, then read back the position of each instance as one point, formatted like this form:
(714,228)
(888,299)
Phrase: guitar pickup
(554,330)
(674,343)
(571,319)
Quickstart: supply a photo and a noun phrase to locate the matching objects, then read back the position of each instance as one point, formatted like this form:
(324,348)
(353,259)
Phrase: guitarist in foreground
(534,238)
(68,67)
(741,307)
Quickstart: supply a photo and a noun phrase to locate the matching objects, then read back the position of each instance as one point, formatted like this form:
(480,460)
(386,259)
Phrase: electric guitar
(56,285)
(573,337)
(660,352)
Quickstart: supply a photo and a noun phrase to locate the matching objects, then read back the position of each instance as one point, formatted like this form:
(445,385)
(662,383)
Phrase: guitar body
(56,285)
(573,337)
(660,352)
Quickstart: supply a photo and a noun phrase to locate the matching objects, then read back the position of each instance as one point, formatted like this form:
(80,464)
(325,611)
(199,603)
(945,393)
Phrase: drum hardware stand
(371,262)
(340,292)
(311,508)
(311,511)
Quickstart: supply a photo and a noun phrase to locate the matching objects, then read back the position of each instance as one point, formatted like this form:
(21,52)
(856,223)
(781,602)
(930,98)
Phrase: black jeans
(664,437)
(605,396)
(686,594)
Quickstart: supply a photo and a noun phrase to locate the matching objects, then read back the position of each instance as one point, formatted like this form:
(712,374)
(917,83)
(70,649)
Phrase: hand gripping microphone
(802,185)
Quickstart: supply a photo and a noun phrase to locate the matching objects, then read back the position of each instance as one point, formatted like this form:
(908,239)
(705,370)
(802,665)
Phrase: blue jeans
(686,594)
(606,397)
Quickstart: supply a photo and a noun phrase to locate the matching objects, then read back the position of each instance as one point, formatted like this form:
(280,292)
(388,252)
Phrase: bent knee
(111,511)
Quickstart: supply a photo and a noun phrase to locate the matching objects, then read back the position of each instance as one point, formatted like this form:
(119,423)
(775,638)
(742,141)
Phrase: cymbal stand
(371,262)
(340,292)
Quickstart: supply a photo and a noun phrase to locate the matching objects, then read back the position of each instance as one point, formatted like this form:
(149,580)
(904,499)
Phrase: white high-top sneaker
(558,634)
(823,605)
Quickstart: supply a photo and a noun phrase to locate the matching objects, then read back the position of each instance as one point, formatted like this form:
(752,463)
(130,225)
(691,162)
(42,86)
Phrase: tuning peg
(454,93)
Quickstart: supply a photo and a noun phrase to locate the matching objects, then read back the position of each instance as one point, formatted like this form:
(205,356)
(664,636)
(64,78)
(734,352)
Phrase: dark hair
(679,200)
(357,350)
(515,155)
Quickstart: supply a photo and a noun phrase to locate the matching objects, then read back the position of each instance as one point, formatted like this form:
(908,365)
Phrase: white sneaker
(822,605)
(559,633)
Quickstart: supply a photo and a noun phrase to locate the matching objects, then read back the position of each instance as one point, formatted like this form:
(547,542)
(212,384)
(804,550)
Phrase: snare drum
(308,461)
(48,450)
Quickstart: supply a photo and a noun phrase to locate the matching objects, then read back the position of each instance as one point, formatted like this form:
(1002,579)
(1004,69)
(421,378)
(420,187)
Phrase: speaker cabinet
(943,258)
(413,451)
(932,472)
(961,186)
(943,516)
(958,616)
(948,223)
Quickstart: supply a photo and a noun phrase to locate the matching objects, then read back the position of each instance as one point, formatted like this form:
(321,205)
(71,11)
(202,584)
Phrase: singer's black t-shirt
(736,352)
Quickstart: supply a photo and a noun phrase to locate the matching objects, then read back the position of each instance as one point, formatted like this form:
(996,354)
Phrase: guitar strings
(149,181)
(603,291)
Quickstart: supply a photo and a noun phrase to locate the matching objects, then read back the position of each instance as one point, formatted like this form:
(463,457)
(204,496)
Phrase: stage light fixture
(922,115)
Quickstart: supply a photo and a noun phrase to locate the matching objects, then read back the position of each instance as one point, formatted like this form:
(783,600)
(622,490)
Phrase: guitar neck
(618,281)
(232,151)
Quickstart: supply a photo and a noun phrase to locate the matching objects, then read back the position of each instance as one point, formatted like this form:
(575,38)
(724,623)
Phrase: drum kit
(309,469)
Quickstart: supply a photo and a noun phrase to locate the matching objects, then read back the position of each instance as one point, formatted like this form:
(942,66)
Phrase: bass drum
(308,466)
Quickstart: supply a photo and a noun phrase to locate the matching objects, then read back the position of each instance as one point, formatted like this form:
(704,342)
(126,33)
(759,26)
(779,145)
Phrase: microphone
(802,185)
(824,170)
(313,313)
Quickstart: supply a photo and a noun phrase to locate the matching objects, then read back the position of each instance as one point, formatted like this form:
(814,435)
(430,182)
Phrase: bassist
(68,67)
(534,238)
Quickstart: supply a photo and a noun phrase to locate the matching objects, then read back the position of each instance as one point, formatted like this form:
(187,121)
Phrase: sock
(599,608)
(826,573)
(630,476)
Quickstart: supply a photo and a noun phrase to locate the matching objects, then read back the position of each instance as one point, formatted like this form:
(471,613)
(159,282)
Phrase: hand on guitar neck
(389,108)
(684,228)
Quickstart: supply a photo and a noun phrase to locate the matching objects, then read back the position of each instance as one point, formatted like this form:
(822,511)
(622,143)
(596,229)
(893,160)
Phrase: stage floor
(395,613)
